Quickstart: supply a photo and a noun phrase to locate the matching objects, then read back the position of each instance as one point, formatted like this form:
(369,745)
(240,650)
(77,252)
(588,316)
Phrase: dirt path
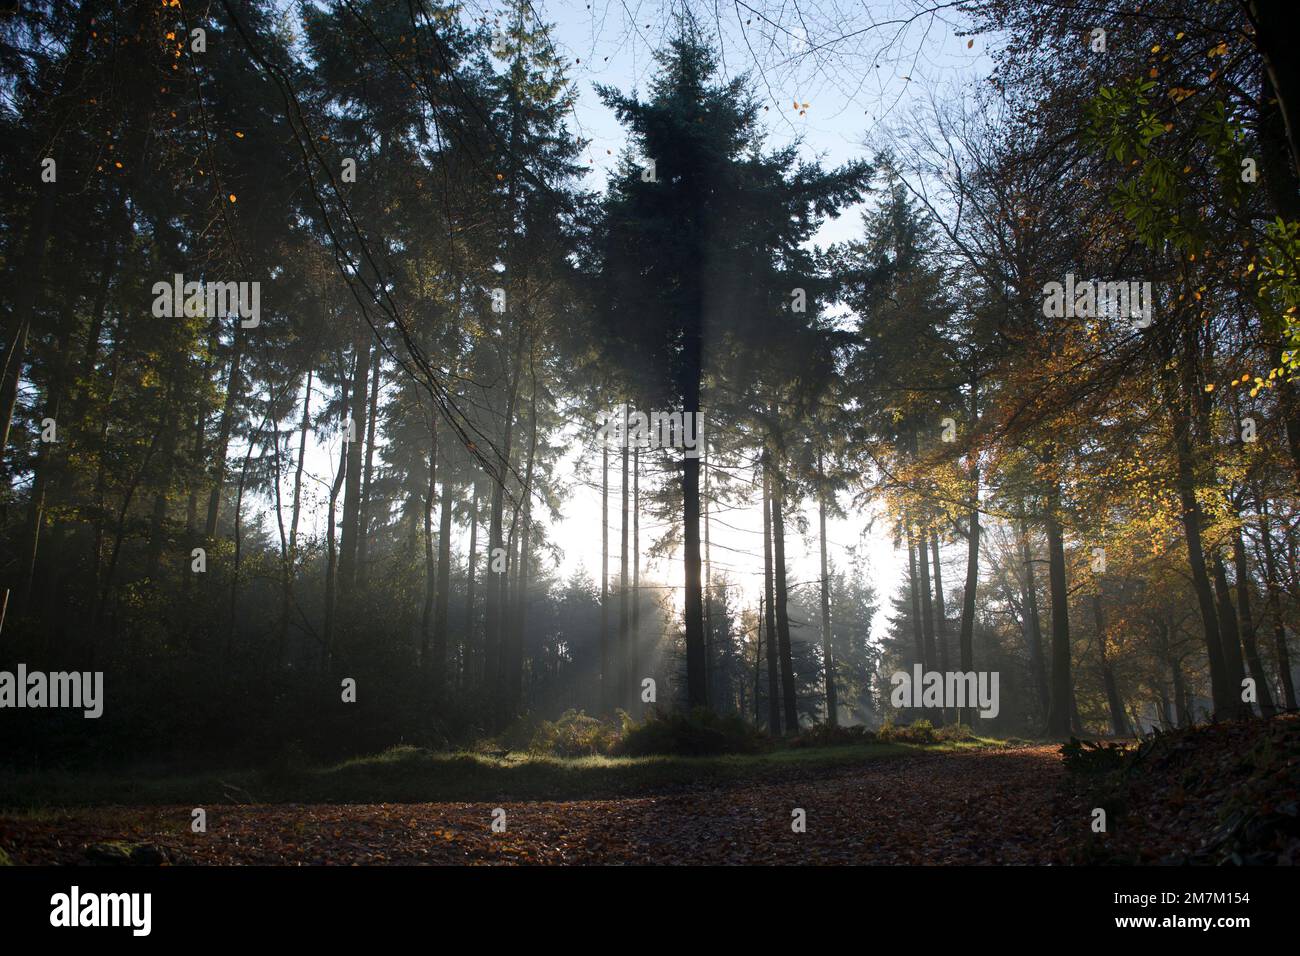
(988,806)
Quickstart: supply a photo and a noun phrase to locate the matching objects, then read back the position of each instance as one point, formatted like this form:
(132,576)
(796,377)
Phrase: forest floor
(1224,793)
(893,805)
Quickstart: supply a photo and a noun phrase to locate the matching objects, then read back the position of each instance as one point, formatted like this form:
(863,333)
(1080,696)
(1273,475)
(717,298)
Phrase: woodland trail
(986,806)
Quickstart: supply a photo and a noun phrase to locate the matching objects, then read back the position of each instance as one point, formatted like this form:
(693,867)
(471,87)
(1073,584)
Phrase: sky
(858,88)
(837,78)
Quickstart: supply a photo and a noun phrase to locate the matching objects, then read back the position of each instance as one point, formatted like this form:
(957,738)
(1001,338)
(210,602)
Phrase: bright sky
(856,86)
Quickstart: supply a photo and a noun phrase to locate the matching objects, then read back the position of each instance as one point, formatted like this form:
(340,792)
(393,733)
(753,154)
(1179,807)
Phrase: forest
(335,334)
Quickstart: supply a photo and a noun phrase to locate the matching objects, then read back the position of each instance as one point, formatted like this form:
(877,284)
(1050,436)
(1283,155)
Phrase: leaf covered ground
(977,806)
(1227,793)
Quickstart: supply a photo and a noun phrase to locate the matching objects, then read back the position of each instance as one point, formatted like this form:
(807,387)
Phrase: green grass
(410,775)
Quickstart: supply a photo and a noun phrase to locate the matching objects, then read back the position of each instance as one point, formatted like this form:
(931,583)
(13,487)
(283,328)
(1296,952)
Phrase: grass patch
(413,775)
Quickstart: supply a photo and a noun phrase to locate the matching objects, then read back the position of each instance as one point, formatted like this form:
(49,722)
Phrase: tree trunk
(914,588)
(1118,719)
(1231,639)
(697,694)
(1226,700)
(624,619)
(1180,694)
(352,486)
(769,612)
(828,650)
(634,648)
(1059,710)
(253,444)
(430,566)
(1270,20)
(331,554)
(81,385)
(363,519)
(291,559)
(708,591)
(927,606)
(940,612)
(758,663)
(515,653)
(199,453)
(101,503)
(605,690)
(282,624)
(1033,626)
(514,657)
(966,638)
(1248,640)
(495,596)
(696,677)
(304,429)
(158,520)
(473,656)
(110,575)
(444,585)
(782,607)
(1275,145)
(1275,611)
(227,424)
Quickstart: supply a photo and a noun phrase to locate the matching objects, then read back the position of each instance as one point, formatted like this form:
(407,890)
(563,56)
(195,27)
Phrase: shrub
(950,733)
(826,735)
(575,734)
(697,733)
(917,732)
(1092,757)
(923,732)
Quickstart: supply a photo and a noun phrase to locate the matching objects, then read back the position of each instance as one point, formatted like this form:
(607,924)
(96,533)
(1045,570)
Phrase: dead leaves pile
(984,806)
